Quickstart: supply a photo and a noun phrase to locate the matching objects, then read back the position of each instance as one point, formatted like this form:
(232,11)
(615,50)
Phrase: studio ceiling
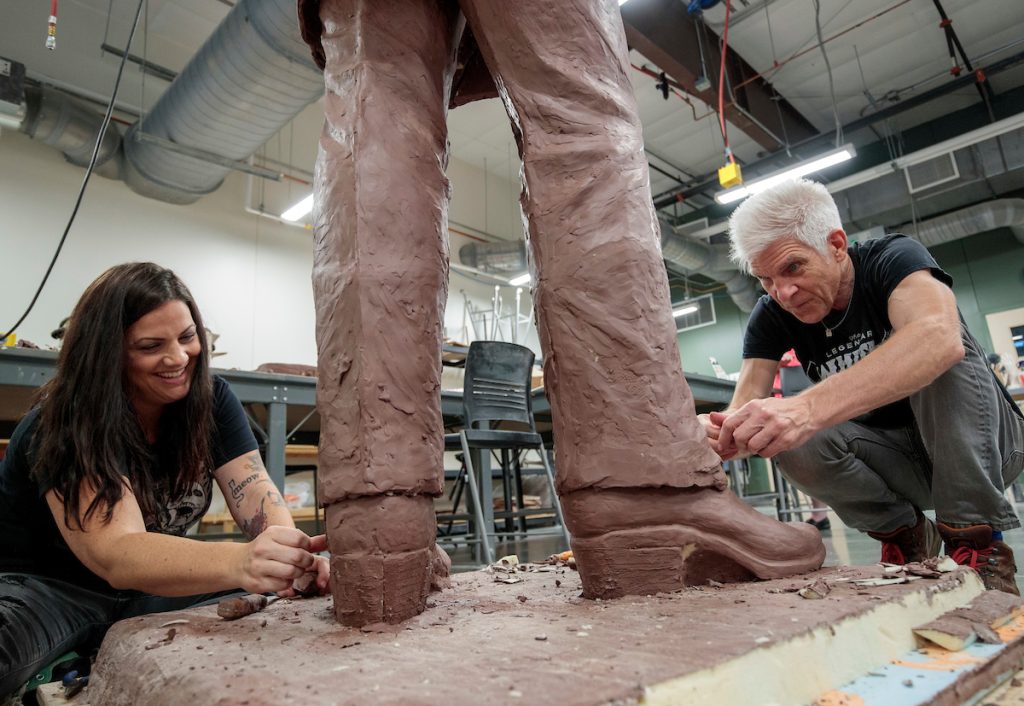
(882,55)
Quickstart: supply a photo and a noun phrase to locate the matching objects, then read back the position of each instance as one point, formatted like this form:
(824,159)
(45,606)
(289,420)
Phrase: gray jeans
(966,447)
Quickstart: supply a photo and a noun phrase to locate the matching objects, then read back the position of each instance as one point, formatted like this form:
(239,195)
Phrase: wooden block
(300,452)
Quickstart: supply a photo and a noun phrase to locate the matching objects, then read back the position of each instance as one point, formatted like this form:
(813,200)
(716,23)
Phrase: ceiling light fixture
(684,310)
(299,210)
(520,280)
(836,156)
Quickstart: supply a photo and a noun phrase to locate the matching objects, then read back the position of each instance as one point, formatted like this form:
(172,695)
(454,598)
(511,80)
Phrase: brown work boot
(909,544)
(640,541)
(993,560)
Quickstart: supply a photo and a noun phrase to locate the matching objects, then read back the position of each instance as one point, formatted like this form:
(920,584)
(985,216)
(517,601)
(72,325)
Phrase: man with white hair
(905,414)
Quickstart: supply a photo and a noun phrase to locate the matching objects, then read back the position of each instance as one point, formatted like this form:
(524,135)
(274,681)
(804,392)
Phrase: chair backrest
(792,380)
(497,383)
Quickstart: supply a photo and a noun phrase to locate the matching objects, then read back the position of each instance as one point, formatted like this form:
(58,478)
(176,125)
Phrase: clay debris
(931,568)
(892,574)
(506,569)
(815,591)
(562,559)
(976,621)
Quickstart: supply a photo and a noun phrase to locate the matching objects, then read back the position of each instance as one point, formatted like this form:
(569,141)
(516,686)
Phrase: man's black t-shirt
(32,542)
(879,266)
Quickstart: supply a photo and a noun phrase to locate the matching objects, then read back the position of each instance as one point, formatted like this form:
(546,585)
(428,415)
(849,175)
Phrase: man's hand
(764,427)
(712,424)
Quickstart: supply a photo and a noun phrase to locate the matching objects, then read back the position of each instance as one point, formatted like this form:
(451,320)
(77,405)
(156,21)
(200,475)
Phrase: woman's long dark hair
(88,431)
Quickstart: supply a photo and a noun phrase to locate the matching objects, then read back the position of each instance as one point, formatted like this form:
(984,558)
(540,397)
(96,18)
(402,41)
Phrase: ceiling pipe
(71,125)
(711,261)
(979,218)
(248,80)
(508,259)
(710,182)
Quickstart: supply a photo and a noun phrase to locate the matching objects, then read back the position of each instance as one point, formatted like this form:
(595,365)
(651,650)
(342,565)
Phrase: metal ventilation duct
(71,126)
(712,261)
(980,218)
(250,78)
(509,259)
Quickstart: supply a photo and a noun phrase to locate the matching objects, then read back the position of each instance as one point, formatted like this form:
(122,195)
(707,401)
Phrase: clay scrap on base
(535,641)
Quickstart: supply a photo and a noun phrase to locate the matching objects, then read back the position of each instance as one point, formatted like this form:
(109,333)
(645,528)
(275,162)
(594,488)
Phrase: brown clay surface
(482,642)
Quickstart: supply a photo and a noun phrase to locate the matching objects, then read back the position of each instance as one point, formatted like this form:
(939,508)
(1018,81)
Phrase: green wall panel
(723,340)
(988,276)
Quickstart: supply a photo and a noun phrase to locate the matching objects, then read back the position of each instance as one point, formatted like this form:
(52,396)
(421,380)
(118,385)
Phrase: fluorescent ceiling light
(683,311)
(299,210)
(1017,338)
(836,156)
(520,280)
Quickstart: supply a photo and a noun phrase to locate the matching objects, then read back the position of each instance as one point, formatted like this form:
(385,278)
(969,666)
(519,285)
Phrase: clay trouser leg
(380,284)
(639,484)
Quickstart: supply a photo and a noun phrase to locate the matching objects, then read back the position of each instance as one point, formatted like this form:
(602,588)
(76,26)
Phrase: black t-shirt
(879,266)
(32,542)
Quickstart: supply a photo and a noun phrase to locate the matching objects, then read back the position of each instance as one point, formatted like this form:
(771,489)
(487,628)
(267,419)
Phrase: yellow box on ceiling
(730,175)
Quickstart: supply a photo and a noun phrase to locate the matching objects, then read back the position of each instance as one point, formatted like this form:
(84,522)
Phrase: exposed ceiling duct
(251,77)
(979,218)
(713,261)
(71,126)
(508,259)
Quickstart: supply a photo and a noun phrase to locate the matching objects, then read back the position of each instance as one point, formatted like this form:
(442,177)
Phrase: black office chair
(497,390)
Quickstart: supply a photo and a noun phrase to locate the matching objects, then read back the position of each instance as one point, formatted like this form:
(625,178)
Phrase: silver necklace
(830,329)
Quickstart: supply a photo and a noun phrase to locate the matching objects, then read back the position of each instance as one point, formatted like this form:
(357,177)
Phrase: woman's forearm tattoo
(255,525)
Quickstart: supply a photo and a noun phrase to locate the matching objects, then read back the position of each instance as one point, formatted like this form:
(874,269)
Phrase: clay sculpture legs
(380,284)
(641,488)
(642,491)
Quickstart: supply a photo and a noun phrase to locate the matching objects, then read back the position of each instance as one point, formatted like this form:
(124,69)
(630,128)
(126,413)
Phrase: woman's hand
(316,580)
(278,556)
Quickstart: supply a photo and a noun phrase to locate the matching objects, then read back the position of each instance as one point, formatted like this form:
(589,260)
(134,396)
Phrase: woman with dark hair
(103,478)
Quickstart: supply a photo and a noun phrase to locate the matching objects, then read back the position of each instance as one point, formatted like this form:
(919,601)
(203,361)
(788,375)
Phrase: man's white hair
(800,209)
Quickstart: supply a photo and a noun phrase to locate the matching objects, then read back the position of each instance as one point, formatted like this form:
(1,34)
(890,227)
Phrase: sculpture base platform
(535,641)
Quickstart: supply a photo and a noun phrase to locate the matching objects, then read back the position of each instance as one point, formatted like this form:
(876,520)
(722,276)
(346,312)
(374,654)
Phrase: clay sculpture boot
(648,540)
(384,561)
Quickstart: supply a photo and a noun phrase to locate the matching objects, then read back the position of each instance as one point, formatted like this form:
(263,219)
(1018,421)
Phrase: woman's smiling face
(161,350)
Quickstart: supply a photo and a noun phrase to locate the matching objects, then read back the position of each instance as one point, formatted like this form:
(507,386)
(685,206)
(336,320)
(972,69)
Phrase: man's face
(800,279)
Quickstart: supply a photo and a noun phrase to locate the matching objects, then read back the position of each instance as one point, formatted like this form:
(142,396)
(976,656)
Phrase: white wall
(250,275)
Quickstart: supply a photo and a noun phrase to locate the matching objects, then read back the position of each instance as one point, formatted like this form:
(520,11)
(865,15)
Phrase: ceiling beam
(663,31)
